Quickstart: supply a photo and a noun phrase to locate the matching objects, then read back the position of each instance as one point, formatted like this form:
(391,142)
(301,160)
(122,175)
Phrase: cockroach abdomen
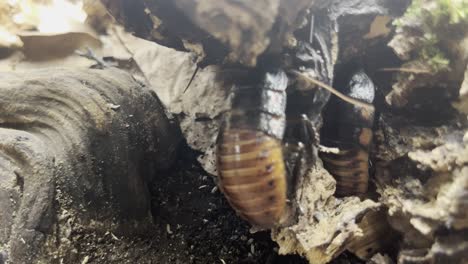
(252,175)
(349,128)
(250,160)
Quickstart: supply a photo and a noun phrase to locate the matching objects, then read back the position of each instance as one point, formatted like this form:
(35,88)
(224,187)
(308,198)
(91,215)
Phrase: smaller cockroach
(348,127)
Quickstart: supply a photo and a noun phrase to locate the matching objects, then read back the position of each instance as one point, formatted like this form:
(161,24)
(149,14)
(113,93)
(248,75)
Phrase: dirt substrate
(193,225)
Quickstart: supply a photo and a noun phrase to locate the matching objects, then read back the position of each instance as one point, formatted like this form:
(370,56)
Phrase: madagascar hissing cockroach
(349,128)
(250,157)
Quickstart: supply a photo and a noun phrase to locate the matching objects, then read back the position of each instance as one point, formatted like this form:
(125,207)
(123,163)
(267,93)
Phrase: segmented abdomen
(350,167)
(252,175)
(349,128)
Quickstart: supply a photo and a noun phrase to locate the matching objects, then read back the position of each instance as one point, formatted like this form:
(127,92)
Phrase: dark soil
(197,225)
(202,226)
(193,223)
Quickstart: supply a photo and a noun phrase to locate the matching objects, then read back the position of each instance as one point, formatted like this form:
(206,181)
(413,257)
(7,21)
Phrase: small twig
(89,54)
(191,79)
(326,149)
(408,70)
(334,91)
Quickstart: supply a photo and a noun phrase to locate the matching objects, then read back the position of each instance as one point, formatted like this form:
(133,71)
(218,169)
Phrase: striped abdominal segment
(252,175)
(350,167)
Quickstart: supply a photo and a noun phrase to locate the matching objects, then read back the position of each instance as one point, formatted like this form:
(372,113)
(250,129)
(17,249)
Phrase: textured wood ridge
(253,175)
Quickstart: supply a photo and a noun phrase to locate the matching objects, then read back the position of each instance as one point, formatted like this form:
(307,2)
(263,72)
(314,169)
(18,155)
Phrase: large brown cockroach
(250,158)
(264,143)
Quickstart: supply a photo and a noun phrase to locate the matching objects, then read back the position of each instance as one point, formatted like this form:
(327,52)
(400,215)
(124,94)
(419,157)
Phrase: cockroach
(251,161)
(250,158)
(349,128)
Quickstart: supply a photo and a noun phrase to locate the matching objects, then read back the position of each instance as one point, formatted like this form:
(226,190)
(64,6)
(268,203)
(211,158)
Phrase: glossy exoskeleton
(270,134)
(251,149)
(250,157)
(349,128)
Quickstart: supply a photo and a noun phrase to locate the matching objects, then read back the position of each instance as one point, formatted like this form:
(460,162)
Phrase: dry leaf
(39,46)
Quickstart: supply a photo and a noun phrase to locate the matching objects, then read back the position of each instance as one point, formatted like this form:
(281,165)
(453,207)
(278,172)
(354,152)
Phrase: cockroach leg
(299,152)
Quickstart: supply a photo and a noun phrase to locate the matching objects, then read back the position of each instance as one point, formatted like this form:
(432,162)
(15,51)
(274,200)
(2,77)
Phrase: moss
(432,54)
(456,10)
(436,12)
(434,17)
